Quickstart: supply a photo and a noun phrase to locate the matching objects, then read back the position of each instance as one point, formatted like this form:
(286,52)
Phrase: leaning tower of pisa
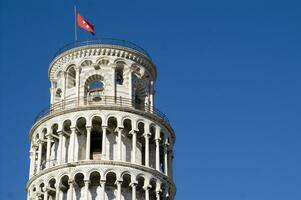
(101,138)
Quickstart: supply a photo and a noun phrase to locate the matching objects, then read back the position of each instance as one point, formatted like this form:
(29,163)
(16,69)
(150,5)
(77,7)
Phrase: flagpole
(75,23)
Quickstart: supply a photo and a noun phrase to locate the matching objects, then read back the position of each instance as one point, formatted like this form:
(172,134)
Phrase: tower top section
(99,50)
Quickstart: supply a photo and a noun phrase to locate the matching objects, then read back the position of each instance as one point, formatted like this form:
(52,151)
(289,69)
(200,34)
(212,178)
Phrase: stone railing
(101,102)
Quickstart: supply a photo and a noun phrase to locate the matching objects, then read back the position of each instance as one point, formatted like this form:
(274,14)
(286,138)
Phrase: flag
(84,24)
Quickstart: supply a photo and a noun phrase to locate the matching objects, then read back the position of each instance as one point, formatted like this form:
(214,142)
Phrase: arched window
(58,94)
(95,85)
(119,72)
(71,73)
(119,76)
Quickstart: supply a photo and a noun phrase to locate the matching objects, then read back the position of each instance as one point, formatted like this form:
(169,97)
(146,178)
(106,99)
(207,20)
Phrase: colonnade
(94,187)
(67,148)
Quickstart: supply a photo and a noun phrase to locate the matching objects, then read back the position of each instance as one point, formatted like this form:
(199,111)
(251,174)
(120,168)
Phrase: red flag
(81,22)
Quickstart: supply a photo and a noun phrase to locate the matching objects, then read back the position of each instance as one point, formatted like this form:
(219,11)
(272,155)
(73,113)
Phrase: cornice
(98,107)
(104,162)
(101,50)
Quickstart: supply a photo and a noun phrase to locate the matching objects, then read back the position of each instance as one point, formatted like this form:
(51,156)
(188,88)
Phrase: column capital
(119,181)
(146,135)
(77,68)
(40,141)
(158,139)
(119,129)
(60,133)
(147,187)
(133,183)
(102,181)
(87,182)
(132,132)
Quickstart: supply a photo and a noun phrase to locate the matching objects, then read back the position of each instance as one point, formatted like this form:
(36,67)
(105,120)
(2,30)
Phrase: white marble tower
(101,137)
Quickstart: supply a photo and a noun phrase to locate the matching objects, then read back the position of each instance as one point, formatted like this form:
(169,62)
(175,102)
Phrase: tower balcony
(95,100)
(117,43)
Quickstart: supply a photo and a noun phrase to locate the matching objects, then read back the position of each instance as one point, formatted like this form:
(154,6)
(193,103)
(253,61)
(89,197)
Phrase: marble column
(45,193)
(60,148)
(71,190)
(146,137)
(88,143)
(146,190)
(87,182)
(134,186)
(39,156)
(104,142)
(33,159)
(72,144)
(134,145)
(57,191)
(130,85)
(103,189)
(118,183)
(77,83)
(119,144)
(157,141)
(157,195)
(166,159)
(48,150)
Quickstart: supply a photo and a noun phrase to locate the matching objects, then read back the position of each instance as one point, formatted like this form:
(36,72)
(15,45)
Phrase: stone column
(157,195)
(52,94)
(39,156)
(157,154)
(151,95)
(33,160)
(87,189)
(104,142)
(71,147)
(70,191)
(88,143)
(45,194)
(119,143)
(114,82)
(118,183)
(60,148)
(134,145)
(133,185)
(146,189)
(170,157)
(146,137)
(130,86)
(48,150)
(77,82)
(103,189)
(64,86)
(57,191)
(166,159)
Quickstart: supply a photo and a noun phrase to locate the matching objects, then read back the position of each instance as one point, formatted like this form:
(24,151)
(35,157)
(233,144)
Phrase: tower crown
(101,137)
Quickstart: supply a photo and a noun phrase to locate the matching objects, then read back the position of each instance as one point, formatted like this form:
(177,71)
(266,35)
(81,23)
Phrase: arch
(86,63)
(103,61)
(71,76)
(94,178)
(110,186)
(94,86)
(119,72)
(58,94)
(96,138)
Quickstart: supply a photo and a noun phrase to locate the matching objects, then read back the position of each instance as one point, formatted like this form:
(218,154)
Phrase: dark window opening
(96,145)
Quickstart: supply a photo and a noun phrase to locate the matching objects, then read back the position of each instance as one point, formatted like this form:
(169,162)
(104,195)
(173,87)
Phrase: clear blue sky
(229,80)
